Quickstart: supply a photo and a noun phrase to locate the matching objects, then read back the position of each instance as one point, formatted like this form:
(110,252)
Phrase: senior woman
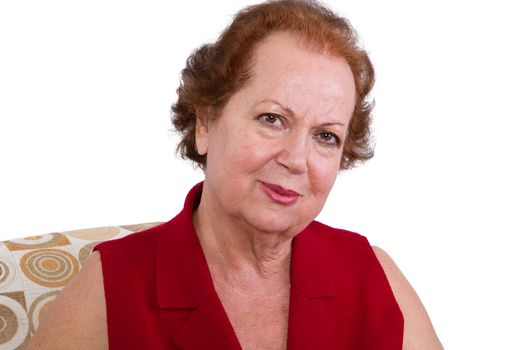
(271,112)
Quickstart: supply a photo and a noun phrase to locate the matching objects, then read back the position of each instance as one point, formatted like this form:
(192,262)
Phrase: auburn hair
(215,71)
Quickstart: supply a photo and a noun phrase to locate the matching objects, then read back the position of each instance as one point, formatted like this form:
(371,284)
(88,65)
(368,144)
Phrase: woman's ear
(201,129)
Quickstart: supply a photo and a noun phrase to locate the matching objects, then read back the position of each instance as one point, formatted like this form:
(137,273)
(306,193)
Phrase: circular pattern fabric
(85,251)
(39,308)
(7,272)
(98,233)
(140,227)
(33,242)
(13,323)
(51,268)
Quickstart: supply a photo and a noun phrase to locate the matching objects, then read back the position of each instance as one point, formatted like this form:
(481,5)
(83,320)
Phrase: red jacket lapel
(312,294)
(184,281)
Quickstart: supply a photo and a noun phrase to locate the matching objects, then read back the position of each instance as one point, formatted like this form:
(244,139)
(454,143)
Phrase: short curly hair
(214,72)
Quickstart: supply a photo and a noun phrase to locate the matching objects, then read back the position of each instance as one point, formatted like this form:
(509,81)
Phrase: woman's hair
(214,72)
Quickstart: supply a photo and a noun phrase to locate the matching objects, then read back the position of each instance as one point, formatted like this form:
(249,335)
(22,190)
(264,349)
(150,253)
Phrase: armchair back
(34,269)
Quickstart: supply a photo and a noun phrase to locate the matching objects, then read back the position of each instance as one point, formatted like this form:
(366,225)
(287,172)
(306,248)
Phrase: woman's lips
(280,194)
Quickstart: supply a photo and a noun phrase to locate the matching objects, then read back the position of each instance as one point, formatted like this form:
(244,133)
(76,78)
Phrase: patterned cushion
(34,269)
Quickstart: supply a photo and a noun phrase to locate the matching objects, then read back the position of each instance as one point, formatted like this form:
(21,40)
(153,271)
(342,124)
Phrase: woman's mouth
(279,194)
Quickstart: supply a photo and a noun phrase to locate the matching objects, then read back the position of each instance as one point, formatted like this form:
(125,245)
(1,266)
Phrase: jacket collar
(183,276)
(184,281)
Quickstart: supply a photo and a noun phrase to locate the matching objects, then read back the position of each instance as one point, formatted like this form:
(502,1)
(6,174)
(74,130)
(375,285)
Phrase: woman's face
(274,151)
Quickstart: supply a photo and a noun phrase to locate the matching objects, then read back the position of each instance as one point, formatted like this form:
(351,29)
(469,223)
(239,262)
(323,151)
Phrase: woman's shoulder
(76,319)
(418,330)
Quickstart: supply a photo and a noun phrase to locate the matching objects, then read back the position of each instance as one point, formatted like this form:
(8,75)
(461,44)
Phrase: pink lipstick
(279,194)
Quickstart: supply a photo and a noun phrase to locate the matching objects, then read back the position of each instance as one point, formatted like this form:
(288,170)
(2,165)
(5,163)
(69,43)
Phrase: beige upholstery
(34,269)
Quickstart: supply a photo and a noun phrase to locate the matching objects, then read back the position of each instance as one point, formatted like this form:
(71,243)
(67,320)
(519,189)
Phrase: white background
(85,94)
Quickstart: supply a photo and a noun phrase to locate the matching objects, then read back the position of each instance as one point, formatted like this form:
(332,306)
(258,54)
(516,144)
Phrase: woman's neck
(239,256)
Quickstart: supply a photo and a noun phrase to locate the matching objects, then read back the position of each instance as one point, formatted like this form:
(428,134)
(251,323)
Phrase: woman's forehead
(286,71)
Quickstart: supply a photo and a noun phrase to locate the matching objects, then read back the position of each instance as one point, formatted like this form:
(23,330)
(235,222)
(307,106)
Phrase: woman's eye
(272,119)
(329,138)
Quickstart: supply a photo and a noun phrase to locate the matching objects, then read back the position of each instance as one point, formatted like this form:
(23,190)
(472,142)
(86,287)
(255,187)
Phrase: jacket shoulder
(343,247)
(335,235)
(133,246)
(133,239)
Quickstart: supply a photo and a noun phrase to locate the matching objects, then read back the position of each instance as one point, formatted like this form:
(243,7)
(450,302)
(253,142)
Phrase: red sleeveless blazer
(160,295)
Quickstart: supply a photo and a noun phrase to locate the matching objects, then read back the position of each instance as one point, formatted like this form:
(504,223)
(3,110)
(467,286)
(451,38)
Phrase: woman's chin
(272,222)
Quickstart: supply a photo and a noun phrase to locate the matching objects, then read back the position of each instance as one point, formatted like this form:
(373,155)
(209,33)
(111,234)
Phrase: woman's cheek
(323,170)
(249,150)
(325,157)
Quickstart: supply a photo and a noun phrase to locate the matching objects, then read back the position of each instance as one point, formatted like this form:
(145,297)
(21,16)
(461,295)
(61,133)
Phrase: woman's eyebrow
(285,108)
(292,113)
(332,123)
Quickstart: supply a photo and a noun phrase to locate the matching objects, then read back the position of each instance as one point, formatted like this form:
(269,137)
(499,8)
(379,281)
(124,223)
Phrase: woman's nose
(294,153)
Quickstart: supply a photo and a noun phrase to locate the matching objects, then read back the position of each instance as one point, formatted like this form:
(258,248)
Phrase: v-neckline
(184,281)
(284,302)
